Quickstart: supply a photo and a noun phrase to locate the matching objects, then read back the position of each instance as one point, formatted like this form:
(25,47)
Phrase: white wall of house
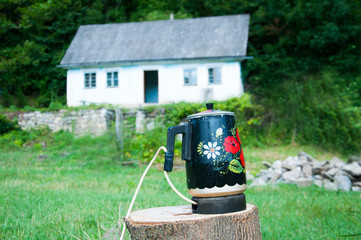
(171,86)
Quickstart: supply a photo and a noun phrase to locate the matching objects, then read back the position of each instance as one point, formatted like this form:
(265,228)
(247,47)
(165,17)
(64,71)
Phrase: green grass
(75,188)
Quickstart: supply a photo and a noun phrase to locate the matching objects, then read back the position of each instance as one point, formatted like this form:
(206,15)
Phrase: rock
(341,172)
(277,165)
(279,171)
(353,168)
(266,164)
(292,176)
(301,161)
(354,159)
(336,163)
(318,182)
(343,183)
(289,159)
(259,181)
(330,173)
(304,170)
(64,154)
(275,177)
(41,157)
(307,156)
(356,189)
(267,174)
(319,167)
(288,164)
(151,126)
(281,180)
(304,182)
(249,176)
(357,184)
(317,177)
(328,185)
(307,170)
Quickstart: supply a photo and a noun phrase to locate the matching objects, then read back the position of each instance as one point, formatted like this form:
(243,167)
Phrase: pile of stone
(304,171)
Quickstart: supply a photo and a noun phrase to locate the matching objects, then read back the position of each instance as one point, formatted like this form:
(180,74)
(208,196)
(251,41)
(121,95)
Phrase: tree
(34,37)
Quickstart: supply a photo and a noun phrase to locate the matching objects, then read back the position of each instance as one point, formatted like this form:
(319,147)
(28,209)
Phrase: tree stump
(180,223)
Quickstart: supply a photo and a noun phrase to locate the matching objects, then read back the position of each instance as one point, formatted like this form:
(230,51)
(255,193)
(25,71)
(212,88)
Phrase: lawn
(74,188)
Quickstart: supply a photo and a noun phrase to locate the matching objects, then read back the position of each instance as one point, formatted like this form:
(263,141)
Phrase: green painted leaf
(235,166)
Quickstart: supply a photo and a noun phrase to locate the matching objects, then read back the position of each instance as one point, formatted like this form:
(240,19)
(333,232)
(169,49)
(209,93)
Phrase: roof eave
(152,62)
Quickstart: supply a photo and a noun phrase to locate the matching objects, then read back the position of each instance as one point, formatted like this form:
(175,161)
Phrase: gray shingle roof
(185,39)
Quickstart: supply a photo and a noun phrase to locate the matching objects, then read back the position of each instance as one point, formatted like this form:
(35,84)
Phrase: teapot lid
(209,112)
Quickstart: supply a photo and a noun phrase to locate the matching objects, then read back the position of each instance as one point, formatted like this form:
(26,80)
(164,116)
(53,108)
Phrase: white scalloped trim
(218,191)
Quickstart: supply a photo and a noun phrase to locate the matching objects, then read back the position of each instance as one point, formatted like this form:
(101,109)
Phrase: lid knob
(209,106)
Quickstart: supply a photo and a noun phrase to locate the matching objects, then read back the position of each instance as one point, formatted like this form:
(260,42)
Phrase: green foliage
(286,38)
(55,106)
(26,138)
(317,109)
(248,115)
(175,113)
(6,125)
(143,146)
(35,35)
(304,79)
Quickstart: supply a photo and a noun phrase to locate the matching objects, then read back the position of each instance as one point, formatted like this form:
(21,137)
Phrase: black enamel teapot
(214,158)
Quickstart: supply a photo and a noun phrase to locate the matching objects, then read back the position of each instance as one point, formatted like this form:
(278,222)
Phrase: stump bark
(180,223)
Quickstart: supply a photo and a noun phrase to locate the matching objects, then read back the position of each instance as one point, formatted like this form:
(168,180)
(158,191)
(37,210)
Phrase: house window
(112,79)
(190,76)
(90,80)
(214,75)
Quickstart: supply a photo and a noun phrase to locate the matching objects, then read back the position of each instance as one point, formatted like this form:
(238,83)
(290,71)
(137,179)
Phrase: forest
(304,78)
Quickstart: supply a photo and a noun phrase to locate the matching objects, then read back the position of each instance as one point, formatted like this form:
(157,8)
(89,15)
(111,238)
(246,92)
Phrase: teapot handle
(186,132)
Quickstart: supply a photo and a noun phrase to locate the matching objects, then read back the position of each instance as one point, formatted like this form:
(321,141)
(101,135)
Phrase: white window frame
(90,80)
(214,75)
(112,79)
(190,76)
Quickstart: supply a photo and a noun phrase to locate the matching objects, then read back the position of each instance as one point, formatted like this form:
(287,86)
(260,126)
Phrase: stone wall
(79,122)
(85,122)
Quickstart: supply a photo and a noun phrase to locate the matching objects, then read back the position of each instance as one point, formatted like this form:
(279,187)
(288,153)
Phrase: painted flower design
(211,150)
(219,132)
(237,135)
(231,145)
(242,158)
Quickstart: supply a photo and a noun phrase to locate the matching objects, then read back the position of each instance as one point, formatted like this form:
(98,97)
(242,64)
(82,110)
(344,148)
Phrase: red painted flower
(242,159)
(231,145)
(241,156)
(237,135)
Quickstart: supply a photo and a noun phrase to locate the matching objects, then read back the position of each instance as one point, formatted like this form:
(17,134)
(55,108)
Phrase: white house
(136,63)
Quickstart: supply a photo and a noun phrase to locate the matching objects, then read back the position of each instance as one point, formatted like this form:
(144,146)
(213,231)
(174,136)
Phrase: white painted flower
(211,150)
(219,132)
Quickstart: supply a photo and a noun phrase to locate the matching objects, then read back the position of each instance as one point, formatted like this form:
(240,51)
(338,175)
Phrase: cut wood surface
(178,222)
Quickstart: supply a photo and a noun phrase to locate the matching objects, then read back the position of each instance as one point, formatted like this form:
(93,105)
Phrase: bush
(6,125)
(55,106)
(320,109)
(144,145)
(32,137)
